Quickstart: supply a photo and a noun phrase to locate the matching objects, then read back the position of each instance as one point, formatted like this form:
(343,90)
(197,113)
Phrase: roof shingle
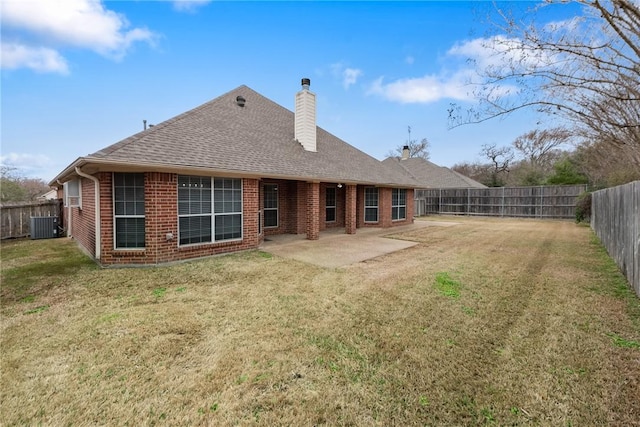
(430,175)
(257,139)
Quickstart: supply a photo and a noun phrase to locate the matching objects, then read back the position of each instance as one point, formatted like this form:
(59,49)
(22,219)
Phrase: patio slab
(336,249)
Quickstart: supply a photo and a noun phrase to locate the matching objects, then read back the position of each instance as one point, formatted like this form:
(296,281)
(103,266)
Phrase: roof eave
(95,165)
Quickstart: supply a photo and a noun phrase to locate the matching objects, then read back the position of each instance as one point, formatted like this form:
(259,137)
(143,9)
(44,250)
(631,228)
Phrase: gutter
(96,194)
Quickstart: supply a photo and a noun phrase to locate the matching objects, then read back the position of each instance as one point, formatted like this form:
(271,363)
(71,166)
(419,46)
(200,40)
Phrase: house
(49,195)
(429,175)
(222,177)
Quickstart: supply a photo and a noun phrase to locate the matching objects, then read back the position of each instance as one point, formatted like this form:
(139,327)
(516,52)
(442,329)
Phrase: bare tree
(585,70)
(476,171)
(538,147)
(500,159)
(15,188)
(416,148)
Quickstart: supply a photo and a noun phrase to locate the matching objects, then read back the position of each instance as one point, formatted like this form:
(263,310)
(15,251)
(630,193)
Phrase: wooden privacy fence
(557,201)
(615,218)
(16,219)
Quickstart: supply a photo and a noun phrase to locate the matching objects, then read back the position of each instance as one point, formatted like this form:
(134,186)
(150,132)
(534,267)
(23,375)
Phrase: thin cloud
(460,78)
(25,163)
(409,60)
(85,24)
(40,59)
(189,6)
(498,51)
(348,76)
(422,90)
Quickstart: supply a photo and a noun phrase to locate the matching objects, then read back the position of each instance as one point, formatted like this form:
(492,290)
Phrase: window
(73,193)
(227,208)
(209,209)
(370,204)
(398,204)
(270,205)
(128,210)
(330,204)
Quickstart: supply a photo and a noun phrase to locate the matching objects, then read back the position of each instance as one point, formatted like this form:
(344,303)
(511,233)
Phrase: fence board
(615,218)
(529,202)
(16,219)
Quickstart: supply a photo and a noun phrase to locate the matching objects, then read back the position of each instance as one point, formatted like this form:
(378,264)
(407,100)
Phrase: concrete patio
(336,249)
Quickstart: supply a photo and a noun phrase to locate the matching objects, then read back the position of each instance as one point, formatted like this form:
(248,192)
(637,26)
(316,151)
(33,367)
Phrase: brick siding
(302,209)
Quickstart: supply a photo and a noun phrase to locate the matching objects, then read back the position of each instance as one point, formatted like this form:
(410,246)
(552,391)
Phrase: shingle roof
(430,175)
(257,139)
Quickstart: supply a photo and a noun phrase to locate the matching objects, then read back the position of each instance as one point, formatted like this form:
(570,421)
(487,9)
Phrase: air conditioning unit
(44,227)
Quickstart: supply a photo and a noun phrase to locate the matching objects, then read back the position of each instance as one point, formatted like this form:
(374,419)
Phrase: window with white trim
(371,204)
(398,204)
(209,209)
(73,193)
(270,197)
(128,210)
(330,204)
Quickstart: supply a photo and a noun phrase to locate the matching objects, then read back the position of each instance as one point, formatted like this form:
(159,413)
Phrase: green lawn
(489,322)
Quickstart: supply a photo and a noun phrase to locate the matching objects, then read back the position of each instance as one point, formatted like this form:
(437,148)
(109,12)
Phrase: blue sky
(78,75)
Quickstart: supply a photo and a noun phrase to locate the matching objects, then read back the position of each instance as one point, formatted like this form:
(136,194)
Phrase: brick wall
(82,221)
(384,209)
(313,205)
(350,209)
(161,224)
(301,206)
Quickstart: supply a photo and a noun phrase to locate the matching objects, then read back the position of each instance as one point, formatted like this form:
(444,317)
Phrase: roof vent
(240,100)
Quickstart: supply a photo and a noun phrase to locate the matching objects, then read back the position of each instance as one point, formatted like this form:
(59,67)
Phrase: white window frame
(73,193)
(213,215)
(376,207)
(116,217)
(395,204)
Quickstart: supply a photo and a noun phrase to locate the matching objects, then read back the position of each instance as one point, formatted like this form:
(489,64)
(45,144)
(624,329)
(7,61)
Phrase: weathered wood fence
(615,218)
(557,201)
(16,219)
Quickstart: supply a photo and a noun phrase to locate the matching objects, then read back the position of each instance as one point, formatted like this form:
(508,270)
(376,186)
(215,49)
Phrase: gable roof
(254,140)
(430,175)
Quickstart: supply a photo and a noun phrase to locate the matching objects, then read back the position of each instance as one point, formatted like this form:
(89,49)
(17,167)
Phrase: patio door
(270,208)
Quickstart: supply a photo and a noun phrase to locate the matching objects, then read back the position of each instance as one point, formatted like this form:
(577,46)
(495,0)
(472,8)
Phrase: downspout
(68,210)
(96,194)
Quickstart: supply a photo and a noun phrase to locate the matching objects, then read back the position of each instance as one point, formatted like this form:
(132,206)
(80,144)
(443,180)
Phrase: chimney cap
(306,82)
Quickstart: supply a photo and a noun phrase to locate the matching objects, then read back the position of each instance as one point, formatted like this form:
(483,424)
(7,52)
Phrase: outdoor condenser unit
(44,227)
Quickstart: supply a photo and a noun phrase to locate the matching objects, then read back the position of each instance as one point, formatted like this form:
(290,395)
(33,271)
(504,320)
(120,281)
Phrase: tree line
(583,72)
(15,188)
(548,157)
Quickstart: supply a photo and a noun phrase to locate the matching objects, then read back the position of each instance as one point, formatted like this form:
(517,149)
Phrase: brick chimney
(305,117)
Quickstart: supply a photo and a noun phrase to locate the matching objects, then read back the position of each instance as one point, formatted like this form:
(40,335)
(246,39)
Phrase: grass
(489,322)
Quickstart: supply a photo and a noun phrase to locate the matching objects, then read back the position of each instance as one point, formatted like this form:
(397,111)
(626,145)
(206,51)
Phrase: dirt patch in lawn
(490,322)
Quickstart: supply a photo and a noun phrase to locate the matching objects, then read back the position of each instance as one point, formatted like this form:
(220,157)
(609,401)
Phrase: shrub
(583,207)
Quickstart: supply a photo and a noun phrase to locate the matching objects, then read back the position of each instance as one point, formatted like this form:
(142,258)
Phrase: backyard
(487,322)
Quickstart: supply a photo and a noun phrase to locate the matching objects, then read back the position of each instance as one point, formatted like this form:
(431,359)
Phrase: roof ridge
(138,136)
